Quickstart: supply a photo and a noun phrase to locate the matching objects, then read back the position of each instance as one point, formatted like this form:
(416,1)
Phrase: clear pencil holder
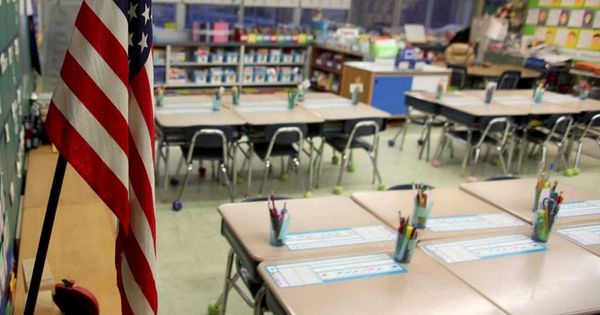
(355,97)
(583,95)
(301,95)
(236,99)
(292,98)
(278,239)
(541,230)
(538,96)
(216,104)
(420,215)
(404,249)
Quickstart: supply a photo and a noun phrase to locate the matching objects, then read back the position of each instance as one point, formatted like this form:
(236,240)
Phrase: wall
(15,89)
(565,23)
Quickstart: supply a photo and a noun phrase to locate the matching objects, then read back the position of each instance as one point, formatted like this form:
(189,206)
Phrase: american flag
(101,120)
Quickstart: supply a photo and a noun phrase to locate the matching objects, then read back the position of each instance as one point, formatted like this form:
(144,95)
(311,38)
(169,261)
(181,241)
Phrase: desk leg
(320,161)
(234,170)
(442,144)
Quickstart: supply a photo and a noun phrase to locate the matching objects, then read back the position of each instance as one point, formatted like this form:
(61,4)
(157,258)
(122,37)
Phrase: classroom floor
(192,253)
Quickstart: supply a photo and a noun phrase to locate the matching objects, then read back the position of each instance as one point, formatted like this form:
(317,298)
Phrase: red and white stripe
(103,124)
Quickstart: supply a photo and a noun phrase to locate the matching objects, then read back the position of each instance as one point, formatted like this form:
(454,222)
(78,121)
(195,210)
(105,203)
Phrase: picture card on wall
(592,3)
(597,20)
(576,19)
(585,39)
(553,16)
(532,16)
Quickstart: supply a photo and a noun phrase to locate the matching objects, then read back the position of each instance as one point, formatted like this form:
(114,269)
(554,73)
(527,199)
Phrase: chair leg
(227,182)
(342,167)
(166,180)
(189,168)
(234,170)
(404,131)
(438,150)
(311,151)
(543,160)
(249,174)
(522,150)
(426,138)
(222,301)
(475,161)
(562,156)
(320,162)
(466,159)
(376,173)
(500,152)
(264,178)
(579,152)
(295,163)
(258,310)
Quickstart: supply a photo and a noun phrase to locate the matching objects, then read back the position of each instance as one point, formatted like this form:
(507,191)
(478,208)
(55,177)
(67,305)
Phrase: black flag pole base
(45,235)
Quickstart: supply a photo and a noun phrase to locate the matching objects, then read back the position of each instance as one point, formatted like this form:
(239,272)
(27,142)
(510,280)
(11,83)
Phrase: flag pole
(42,250)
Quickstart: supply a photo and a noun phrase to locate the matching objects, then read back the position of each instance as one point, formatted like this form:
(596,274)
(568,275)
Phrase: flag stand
(45,235)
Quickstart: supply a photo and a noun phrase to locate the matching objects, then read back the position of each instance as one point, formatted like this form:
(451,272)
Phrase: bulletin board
(571,24)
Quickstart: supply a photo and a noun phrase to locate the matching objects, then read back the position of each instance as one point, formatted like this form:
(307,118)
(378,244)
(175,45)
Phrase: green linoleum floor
(192,253)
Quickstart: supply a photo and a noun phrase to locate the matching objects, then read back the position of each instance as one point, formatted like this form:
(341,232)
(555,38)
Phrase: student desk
(585,235)
(562,279)
(336,110)
(447,202)
(246,227)
(271,109)
(516,196)
(426,288)
(189,111)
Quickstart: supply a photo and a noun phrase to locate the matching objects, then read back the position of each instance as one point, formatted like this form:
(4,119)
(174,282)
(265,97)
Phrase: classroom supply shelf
(326,66)
(197,65)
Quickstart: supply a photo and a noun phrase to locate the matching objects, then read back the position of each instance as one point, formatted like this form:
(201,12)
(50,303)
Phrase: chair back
(559,125)
(363,127)
(209,137)
(283,134)
(509,80)
(458,78)
(499,125)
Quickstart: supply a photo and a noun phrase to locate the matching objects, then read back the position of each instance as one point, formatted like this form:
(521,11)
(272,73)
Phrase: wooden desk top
(516,196)
(331,107)
(495,70)
(593,248)
(562,279)
(187,111)
(446,202)
(451,100)
(567,104)
(250,224)
(427,288)
(281,115)
(502,106)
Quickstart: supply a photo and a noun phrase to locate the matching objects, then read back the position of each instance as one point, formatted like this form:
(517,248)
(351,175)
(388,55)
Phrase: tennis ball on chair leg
(335,160)
(284,177)
(381,187)
(569,172)
(308,194)
(240,179)
(576,171)
(351,168)
(213,309)
(338,190)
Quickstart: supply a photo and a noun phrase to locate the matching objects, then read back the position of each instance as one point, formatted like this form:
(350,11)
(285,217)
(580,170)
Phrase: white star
(146,14)
(144,42)
(131,11)
(131,39)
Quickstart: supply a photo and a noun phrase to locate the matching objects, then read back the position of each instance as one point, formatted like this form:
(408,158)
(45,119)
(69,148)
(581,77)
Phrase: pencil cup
(355,97)
(301,95)
(489,91)
(401,243)
(292,97)
(277,238)
(236,99)
(541,230)
(420,215)
(408,253)
(583,95)
(216,104)
(538,95)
